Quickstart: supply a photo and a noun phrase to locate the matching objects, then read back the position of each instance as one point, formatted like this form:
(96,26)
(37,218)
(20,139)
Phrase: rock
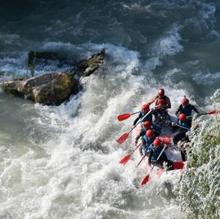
(48,89)
(37,57)
(87,67)
(54,88)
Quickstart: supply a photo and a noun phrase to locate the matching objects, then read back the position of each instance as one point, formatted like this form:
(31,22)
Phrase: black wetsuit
(187,110)
(141,115)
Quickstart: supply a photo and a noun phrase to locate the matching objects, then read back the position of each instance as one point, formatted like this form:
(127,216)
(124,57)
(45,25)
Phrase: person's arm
(150,156)
(152,100)
(136,120)
(168,103)
(141,134)
(194,108)
(178,110)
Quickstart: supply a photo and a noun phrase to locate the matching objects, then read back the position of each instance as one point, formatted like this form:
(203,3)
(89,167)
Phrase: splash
(199,190)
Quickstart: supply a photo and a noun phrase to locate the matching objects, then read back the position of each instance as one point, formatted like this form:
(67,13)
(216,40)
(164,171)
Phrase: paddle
(210,112)
(182,127)
(126,158)
(142,158)
(123,137)
(207,113)
(147,177)
(177,165)
(126,116)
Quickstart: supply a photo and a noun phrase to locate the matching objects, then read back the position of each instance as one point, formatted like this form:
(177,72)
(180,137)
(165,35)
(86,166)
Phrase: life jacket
(147,141)
(184,124)
(164,98)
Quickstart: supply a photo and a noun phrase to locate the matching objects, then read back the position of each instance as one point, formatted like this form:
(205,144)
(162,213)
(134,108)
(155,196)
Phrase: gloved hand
(173,123)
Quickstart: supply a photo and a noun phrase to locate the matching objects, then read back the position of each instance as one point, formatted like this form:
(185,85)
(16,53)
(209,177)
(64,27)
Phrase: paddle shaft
(141,159)
(156,160)
(135,113)
(136,148)
(182,127)
(139,122)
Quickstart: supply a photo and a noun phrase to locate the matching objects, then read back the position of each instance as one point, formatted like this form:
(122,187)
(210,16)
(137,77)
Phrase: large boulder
(48,89)
(54,88)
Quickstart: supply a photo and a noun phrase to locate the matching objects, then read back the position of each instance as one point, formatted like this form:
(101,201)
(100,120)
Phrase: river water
(62,162)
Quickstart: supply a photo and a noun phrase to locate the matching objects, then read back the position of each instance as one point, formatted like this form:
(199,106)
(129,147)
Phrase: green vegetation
(200,185)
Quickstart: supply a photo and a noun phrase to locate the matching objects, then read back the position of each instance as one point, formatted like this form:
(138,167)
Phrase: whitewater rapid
(66,163)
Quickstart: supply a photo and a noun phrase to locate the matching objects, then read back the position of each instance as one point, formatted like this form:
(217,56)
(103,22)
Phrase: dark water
(137,25)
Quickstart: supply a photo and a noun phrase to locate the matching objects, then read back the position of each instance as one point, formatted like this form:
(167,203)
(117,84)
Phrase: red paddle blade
(160,172)
(123,116)
(125,159)
(214,112)
(178,165)
(122,138)
(145,180)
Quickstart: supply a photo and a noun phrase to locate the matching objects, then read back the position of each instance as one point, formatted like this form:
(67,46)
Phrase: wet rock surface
(56,87)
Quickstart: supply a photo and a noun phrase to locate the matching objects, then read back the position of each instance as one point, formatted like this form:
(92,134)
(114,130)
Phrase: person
(144,127)
(162,103)
(144,110)
(161,96)
(181,129)
(147,141)
(186,108)
(181,133)
(155,151)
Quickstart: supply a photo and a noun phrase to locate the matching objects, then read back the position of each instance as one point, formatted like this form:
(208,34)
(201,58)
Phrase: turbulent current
(62,162)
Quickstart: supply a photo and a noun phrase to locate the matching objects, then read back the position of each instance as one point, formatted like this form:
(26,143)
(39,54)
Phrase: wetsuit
(161,114)
(154,153)
(141,115)
(146,143)
(181,134)
(187,110)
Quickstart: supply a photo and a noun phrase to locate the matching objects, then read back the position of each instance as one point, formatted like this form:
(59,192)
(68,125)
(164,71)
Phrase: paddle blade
(123,116)
(160,172)
(125,159)
(178,165)
(213,112)
(145,180)
(122,138)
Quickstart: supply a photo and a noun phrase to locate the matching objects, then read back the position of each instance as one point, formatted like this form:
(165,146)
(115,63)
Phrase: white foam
(75,173)
(168,44)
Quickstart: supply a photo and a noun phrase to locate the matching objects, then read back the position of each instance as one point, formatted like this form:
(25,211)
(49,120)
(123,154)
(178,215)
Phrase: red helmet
(147,124)
(145,108)
(157,142)
(185,101)
(149,133)
(182,117)
(161,92)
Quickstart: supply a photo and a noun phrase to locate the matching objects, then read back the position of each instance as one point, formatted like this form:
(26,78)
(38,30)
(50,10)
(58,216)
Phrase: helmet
(147,124)
(182,117)
(185,101)
(161,92)
(149,133)
(145,108)
(157,142)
